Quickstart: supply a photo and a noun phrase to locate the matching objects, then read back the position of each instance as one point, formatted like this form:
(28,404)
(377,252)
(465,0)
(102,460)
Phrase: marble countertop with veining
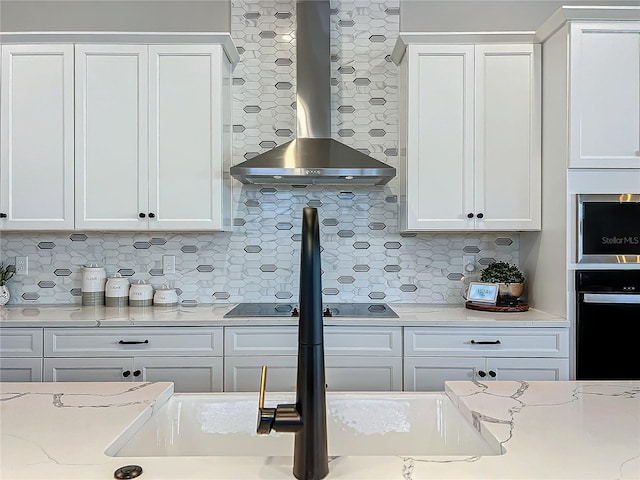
(213,315)
(548,430)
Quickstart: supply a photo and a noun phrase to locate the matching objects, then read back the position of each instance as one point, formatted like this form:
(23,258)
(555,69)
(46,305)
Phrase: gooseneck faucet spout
(307,418)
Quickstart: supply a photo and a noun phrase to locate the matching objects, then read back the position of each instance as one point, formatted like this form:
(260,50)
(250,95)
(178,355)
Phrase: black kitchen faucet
(307,418)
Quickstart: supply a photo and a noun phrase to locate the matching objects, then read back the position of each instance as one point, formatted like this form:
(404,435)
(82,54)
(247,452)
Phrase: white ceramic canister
(165,296)
(117,291)
(140,294)
(94,279)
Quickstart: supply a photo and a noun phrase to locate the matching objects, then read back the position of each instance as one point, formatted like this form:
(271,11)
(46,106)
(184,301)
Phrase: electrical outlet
(468,263)
(22,265)
(168,264)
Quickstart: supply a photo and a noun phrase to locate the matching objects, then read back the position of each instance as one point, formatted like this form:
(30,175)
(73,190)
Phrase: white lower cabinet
(189,374)
(430,373)
(21,354)
(529,369)
(88,369)
(191,358)
(342,373)
(21,370)
(356,358)
(434,355)
(203,359)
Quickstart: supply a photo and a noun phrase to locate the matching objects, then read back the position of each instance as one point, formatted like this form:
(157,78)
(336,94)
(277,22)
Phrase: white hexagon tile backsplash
(364,257)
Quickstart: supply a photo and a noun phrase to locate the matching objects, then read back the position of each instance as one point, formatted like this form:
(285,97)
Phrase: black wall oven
(609,228)
(608,315)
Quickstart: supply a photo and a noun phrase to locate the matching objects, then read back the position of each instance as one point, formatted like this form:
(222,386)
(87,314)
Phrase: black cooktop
(365,310)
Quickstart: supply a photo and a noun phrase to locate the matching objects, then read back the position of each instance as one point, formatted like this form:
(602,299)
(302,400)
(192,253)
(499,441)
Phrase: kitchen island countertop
(213,315)
(548,430)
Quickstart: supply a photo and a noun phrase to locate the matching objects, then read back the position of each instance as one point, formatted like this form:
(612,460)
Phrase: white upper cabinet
(111,137)
(186,188)
(605,95)
(36,125)
(149,137)
(507,137)
(470,137)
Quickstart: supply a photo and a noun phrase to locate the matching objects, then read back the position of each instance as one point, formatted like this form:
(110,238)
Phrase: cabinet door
(507,137)
(429,373)
(605,95)
(88,369)
(36,133)
(188,374)
(242,374)
(21,370)
(528,369)
(342,373)
(363,374)
(439,173)
(185,125)
(111,137)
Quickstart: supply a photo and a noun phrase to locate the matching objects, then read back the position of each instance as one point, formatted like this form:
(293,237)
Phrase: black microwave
(609,228)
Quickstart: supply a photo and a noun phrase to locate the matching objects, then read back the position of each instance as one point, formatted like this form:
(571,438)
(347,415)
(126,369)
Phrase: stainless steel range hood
(313,157)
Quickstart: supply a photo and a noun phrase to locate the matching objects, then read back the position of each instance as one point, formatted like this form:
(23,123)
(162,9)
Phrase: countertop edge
(409,315)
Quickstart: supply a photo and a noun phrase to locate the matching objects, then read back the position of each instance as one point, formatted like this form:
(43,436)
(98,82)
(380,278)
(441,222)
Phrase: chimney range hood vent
(313,157)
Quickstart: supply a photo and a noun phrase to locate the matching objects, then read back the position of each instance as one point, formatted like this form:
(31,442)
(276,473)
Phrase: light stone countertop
(212,315)
(548,430)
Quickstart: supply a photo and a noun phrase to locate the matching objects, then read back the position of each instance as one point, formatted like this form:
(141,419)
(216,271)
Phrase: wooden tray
(521,307)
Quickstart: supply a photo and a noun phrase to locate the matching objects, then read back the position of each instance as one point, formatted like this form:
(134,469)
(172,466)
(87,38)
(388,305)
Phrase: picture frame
(485,293)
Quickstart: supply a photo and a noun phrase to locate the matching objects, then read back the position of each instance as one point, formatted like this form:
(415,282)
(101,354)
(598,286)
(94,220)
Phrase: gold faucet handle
(263,386)
(266,416)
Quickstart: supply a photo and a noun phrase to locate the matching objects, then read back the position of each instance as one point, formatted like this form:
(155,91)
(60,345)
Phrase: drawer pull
(496,342)
(132,342)
(137,373)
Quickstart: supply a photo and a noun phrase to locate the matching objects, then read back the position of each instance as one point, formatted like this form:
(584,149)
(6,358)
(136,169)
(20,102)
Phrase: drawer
(119,342)
(21,342)
(382,341)
(494,342)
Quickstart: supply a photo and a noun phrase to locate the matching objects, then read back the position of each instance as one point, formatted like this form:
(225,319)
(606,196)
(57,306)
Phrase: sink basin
(411,424)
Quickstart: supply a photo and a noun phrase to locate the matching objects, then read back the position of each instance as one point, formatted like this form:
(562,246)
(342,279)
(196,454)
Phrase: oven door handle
(611,298)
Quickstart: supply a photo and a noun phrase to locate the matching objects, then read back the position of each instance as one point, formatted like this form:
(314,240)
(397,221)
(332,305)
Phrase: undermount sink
(378,424)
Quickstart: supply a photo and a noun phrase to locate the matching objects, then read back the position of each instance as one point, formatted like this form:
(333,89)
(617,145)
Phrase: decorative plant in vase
(510,280)
(5,275)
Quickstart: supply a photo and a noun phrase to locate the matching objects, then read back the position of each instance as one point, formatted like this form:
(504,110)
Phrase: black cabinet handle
(126,373)
(469,215)
(496,342)
(132,342)
(142,215)
(492,374)
(152,215)
(137,373)
(481,215)
(3,215)
(481,374)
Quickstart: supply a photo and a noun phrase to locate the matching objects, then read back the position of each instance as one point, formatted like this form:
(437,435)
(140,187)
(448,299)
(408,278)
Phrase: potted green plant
(508,276)
(5,274)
